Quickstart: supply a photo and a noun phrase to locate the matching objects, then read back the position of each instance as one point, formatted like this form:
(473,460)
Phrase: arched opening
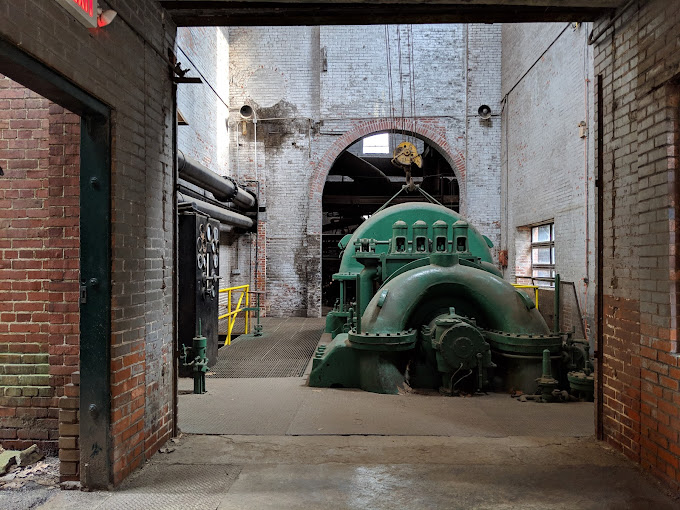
(362,178)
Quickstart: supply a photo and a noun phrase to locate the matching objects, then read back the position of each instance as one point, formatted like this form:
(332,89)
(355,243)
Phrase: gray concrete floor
(287,406)
(276,444)
(378,472)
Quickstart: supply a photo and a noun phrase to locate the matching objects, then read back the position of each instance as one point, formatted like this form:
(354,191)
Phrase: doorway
(65,233)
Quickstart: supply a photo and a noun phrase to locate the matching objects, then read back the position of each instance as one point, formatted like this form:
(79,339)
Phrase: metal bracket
(181,79)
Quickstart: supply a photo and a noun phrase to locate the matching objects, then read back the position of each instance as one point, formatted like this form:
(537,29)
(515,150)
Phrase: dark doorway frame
(95,254)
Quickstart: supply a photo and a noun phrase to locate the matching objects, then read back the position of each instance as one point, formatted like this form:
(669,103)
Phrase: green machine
(422,304)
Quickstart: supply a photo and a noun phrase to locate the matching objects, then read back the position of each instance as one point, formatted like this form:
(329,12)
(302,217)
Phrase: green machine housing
(422,303)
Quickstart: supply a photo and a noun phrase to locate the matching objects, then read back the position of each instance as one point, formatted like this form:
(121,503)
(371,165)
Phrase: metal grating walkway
(284,350)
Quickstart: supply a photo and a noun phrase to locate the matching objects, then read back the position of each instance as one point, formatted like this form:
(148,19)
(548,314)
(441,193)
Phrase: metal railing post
(247,291)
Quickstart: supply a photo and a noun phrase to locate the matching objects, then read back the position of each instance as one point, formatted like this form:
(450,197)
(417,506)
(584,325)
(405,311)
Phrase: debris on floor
(19,467)
(21,458)
(29,456)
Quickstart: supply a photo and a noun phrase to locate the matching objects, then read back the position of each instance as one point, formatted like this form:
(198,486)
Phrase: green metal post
(199,351)
(342,295)
(556,319)
(547,368)
(258,326)
(358,303)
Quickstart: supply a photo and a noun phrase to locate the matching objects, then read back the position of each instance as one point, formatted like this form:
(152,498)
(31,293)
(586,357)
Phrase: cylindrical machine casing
(440,231)
(460,236)
(420,239)
(399,233)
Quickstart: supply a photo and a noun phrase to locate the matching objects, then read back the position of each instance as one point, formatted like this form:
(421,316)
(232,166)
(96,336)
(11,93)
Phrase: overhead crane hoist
(422,305)
(405,155)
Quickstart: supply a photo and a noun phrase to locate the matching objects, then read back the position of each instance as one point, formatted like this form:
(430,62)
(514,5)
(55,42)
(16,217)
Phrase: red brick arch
(431,130)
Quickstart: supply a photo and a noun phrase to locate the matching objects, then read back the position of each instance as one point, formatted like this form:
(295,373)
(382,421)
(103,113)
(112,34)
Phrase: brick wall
(548,169)
(319,89)
(39,258)
(483,148)
(69,431)
(116,65)
(639,61)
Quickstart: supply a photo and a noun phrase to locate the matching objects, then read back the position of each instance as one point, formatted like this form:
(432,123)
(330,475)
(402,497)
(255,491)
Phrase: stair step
(25,391)
(20,357)
(25,380)
(24,369)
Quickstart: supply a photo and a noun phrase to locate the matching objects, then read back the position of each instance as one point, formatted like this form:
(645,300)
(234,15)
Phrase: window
(543,254)
(377,144)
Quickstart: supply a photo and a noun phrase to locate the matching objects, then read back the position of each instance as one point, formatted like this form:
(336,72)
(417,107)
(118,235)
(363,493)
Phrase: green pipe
(494,302)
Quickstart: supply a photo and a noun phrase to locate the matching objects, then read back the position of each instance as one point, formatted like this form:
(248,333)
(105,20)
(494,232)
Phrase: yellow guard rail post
(232,313)
(535,287)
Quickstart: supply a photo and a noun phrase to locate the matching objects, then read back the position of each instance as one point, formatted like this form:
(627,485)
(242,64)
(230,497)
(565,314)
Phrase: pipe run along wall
(224,190)
(222,215)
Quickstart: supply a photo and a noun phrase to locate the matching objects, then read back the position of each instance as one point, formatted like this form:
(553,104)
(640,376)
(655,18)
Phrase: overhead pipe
(224,190)
(222,215)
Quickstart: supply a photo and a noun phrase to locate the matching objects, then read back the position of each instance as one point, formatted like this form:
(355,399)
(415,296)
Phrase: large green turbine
(393,329)
(421,303)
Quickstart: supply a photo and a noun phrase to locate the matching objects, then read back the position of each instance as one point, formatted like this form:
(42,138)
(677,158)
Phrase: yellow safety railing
(233,312)
(535,287)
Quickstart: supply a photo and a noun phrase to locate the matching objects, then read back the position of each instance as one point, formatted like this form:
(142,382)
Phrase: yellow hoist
(405,155)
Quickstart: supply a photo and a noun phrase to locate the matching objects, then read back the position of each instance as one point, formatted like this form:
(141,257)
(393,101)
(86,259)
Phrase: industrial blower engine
(422,303)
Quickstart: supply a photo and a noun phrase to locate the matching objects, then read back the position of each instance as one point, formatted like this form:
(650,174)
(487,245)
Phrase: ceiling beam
(244,13)
(351,200)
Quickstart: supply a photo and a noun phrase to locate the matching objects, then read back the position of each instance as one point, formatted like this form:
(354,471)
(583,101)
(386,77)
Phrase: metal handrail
(535,287)
(232,313)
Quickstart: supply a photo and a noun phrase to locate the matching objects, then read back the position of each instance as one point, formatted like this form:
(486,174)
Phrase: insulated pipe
(223,215)
(224,190)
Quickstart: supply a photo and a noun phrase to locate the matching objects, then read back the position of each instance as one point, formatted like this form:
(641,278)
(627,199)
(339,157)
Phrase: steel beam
(288,13)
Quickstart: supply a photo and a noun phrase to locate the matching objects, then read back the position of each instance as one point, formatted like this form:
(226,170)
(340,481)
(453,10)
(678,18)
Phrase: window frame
(544,281)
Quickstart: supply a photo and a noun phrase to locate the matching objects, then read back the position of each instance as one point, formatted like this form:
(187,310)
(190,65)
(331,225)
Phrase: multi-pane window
(543,254)
(377,144)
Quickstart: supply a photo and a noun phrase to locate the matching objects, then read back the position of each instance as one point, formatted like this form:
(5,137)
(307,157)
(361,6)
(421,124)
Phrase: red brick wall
(142,193)
(639,61)
(39,257)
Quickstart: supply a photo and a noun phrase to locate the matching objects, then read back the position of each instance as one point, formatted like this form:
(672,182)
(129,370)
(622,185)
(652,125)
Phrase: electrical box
(582,129)
(198,266)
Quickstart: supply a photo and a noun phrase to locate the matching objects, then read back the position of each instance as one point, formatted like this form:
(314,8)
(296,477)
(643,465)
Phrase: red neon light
(87,6)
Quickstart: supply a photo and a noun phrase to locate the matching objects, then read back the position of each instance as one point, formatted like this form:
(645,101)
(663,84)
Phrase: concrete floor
(276,444)
(374,472)
(287,406)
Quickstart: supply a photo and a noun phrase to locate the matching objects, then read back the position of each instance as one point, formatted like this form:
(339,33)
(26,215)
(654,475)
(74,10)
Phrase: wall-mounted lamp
(104,17)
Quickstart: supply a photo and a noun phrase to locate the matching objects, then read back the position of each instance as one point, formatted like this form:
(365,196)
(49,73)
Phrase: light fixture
(104,17)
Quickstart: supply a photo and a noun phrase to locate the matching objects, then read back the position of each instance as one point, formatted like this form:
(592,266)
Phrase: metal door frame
(96,466)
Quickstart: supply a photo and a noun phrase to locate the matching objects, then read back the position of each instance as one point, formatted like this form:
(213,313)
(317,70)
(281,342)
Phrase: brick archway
(431,131)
